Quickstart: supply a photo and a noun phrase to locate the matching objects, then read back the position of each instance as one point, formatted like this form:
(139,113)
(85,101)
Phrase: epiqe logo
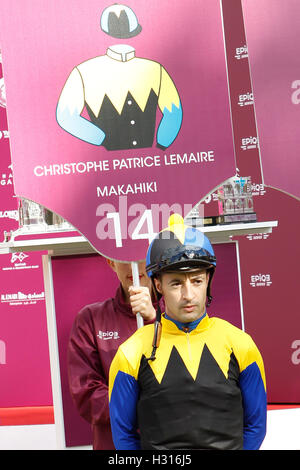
(112,100)
(258,189)
(241,52)
(260,280)
(246,99)
(249,143)
(105,335)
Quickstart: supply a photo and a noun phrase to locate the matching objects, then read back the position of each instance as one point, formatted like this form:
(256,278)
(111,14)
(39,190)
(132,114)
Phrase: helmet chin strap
(209,296)
(157,325)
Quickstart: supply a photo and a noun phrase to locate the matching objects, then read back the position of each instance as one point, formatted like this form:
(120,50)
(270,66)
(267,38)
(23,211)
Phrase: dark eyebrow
(199,275)
(202,274)
(175,279)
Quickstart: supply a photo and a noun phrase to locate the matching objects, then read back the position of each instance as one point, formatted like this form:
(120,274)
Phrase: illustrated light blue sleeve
(170,105)
(255,406)
(70,105)
(122,408)
(169,126)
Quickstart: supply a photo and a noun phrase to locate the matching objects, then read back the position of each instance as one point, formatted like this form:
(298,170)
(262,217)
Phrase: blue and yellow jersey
(122,98)
(205,389)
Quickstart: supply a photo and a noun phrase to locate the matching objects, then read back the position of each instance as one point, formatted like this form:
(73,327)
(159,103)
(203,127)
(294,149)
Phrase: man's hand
(140,301)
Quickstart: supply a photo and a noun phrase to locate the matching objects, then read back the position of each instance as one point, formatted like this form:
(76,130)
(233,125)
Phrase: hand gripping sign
(118,115)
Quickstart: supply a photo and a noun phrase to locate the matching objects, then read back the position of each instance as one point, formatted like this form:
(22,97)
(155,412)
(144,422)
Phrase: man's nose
(187,293)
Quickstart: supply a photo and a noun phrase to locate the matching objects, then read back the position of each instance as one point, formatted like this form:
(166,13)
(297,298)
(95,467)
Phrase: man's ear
(111,263)
(157,283)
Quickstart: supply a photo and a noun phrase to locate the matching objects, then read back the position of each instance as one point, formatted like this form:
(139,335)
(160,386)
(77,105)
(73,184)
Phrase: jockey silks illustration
(121,94)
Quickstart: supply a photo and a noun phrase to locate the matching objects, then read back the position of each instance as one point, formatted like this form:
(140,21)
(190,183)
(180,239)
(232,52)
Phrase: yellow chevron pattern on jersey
(103,75)
(190,347)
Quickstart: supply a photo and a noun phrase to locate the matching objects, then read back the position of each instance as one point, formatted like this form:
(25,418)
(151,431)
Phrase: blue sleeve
(255,406)
(78,126)
(122,407)
(69,108)
(169,126)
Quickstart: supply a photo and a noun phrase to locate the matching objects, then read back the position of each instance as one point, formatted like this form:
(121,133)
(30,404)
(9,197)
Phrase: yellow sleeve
(168,94)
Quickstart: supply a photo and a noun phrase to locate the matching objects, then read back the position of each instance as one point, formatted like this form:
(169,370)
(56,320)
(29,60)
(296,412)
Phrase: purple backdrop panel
(241,96)
(24,351)
(272,30)
(24,357)
(270,285)
(69,84)
(225,285)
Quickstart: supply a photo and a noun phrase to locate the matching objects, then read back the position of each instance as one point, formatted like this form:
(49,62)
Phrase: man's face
(184,294)
(124,273)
